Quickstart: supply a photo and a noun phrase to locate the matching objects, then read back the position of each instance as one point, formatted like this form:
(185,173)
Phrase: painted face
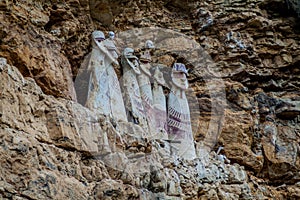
(99,39)
(179,79)
(159,77)
(145,60)
(98,36)
(146,57)
(132,60)
(134,64)
(128,52)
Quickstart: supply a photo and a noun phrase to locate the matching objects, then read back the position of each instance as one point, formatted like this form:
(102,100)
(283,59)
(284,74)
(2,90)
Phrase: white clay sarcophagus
(131,89)
(179,122)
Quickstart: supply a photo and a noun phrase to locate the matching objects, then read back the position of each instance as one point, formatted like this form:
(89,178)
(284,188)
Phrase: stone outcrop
(55,148)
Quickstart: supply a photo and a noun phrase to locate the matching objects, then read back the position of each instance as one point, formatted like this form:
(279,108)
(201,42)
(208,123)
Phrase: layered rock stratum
(55,148)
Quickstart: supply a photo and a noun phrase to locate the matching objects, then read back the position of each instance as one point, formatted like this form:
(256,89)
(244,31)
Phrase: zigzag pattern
(178,115)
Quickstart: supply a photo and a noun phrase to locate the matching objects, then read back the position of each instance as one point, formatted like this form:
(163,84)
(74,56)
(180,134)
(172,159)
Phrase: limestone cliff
(50,144)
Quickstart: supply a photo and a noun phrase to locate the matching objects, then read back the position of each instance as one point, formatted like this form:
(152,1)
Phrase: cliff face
(49,143)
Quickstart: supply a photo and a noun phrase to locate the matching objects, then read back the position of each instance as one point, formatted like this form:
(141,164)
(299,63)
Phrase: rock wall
(55,148)
(50,145)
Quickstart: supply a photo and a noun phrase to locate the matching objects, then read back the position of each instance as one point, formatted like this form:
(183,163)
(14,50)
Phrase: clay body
(131,90)
(179,123)
(104,93)
(160,105)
